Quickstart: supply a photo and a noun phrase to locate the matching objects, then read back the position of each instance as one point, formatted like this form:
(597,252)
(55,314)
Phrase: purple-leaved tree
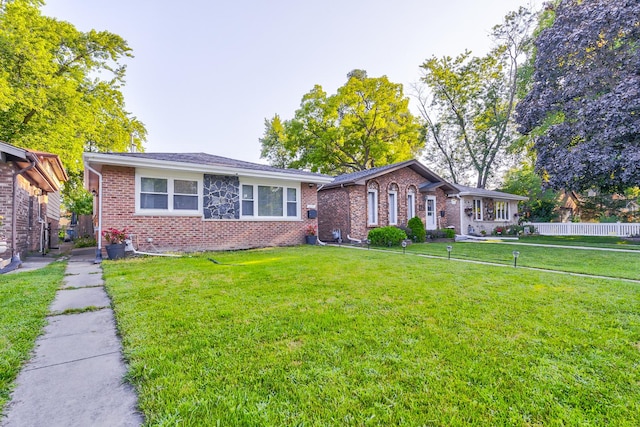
(584,105)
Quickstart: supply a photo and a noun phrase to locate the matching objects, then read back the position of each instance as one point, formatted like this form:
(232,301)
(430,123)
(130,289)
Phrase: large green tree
(542,203)
(467,103)
(60,88)
(367,123)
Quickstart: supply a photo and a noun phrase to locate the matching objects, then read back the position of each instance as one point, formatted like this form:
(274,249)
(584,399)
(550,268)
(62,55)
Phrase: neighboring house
(357,202)
(198,201)
(484,210)
(30,183)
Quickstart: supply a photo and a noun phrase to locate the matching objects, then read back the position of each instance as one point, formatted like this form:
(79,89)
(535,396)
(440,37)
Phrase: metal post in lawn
(515,258)
(404,246)
(449,248)
(368,244)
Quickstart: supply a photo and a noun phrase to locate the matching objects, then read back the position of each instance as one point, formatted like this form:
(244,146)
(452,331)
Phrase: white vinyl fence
(586,229)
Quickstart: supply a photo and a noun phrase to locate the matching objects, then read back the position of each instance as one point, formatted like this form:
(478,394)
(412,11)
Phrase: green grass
(596,241)
(24,300)
(333,336)
(595,262)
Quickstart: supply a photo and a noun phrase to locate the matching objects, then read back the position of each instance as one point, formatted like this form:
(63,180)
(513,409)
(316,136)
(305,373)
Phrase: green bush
(449,233)
(418,233)
(386,236)
(442,233)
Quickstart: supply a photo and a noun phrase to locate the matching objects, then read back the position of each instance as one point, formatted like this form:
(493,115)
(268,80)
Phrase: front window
(168,195)
(502,210)
(292,202)
(269,201)
(247,200)
(154,193)
(411,206)
(393,208)
(372,207)
(185,195)
(477,209)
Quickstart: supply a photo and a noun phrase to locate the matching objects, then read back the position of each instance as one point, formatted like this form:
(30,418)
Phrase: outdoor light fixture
(368,244)
(515,258)
(449,248)
(404,246)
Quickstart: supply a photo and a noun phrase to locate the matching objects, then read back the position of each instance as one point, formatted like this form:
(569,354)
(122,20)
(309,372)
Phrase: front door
(431,213)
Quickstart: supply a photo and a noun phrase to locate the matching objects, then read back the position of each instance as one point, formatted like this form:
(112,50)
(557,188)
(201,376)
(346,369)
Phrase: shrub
(449,233)
(386,236)
(442,233)
(418,233)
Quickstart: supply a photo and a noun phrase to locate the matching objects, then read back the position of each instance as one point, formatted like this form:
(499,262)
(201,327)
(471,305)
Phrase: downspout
(15,255)
(98,259)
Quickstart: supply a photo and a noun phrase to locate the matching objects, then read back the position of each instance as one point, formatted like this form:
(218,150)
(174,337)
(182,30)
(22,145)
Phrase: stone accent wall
(194,233)
(346,208)
(221,197)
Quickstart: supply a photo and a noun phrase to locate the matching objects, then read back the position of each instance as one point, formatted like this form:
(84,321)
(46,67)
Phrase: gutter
(98,259)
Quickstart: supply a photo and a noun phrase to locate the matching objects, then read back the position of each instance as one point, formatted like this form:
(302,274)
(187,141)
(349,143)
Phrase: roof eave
(93,159)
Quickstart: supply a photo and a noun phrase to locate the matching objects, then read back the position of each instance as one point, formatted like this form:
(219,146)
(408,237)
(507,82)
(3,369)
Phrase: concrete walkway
(76,374)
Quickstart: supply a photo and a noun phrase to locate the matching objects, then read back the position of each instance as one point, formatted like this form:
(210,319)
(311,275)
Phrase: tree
(60,87)
(542,203)
(468,102)
(367,123)
(584,105)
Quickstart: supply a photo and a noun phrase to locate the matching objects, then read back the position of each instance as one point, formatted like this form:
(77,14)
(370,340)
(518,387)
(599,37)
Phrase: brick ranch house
(357,202)
(30,183)
(198,201)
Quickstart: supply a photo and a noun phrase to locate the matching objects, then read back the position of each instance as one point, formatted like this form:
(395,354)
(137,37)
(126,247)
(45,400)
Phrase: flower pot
(311,240)
(115,250)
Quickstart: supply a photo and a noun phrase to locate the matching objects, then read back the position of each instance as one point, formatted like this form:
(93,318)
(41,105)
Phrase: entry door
(431,213)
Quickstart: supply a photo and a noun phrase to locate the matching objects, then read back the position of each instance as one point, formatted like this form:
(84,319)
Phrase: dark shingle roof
(364,174)
(361,176)
(211,160)
(482,192)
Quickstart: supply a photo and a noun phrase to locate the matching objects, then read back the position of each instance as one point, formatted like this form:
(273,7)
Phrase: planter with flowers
(115,239)
(310,235)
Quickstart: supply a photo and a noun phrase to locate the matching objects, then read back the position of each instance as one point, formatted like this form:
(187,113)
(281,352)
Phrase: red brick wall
(351,215)
(28,230)
(193,233)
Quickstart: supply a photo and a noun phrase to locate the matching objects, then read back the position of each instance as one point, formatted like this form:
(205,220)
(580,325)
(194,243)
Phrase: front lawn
(601,263)
(330,336)
(596,241)
(24,300)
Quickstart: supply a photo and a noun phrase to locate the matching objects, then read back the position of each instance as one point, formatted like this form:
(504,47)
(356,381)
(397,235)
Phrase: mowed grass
(595,262)
(595,241)
(333,336)
(24,300)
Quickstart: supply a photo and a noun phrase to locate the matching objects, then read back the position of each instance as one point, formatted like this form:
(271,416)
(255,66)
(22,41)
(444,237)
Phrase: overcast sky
(206,74)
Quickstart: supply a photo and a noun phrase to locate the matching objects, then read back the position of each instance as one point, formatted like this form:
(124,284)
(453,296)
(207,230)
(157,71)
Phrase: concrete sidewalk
(76,374)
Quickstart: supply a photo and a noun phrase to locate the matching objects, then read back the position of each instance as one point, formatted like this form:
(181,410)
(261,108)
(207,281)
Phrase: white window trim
(372,209)
(170,176)
(505,211)
(393,210)
(272,183)
(475,216)
(411,205)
